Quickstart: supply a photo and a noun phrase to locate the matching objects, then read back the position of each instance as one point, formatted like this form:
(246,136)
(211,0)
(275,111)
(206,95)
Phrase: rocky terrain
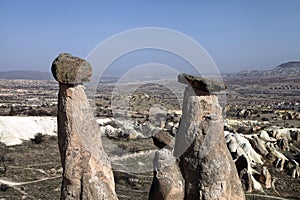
(262,132)
(25,75)
(278,88)
(28,98)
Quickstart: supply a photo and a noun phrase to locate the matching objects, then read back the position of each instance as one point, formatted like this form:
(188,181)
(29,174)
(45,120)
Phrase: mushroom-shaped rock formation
(205,162)
(87,172)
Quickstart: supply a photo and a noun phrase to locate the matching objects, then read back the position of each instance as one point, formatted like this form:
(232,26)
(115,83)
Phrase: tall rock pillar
(205,162)
(87,172)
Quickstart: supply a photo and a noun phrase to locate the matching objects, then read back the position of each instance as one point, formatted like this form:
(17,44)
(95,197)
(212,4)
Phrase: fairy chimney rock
(205,162)
(87,172)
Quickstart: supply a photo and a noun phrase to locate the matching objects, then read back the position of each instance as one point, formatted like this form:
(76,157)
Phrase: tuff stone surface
(69,69)
(167,183)
(87,172)
(265,177)
(245,176)
(205,162)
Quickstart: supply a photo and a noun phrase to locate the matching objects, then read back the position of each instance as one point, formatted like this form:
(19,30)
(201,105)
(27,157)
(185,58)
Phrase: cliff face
(284,71)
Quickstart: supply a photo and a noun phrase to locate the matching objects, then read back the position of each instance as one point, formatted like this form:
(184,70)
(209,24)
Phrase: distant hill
(289,65)
(284,74)
(27,75)
(284,71)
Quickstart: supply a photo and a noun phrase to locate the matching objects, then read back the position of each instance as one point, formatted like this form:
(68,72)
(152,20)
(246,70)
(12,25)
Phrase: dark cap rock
(69,69)
(201,84)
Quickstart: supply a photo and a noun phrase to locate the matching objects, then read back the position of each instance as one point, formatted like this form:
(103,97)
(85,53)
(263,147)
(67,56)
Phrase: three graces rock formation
(199,167)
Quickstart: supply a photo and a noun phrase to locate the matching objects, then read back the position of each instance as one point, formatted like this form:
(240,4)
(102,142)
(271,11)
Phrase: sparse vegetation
(3,161)
(3,187)
(38,138)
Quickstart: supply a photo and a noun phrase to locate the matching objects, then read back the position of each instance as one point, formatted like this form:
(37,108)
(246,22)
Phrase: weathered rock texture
(265,177)
(242,164)
(205,162)
(167,183)
(163,139)
(87,172)
(200,84)
(69,69)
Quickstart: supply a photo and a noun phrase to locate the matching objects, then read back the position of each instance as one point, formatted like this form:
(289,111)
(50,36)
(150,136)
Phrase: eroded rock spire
(205,162)
(87,172)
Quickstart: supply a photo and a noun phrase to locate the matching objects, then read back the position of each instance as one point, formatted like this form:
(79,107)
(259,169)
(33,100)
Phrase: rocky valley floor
(33,171)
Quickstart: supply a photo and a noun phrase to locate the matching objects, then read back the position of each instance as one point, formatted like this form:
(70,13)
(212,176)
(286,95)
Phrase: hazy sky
(239,35)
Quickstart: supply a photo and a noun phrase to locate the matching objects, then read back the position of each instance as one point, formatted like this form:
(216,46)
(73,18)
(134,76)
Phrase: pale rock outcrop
(244,146)
(295,171)
(205,162)
(265,177)
(259,145)
(274,153)
(265,136)
(244,170)
(87,172)
(243,161)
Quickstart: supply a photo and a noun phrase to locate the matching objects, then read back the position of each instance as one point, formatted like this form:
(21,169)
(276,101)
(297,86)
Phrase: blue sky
(238,35)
